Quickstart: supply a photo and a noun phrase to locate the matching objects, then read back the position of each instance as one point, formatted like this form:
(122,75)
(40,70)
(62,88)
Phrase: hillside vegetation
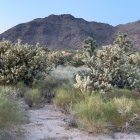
(103,95)
(109,92)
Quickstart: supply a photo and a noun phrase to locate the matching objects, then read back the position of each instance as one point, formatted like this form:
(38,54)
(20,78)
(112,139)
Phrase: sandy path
(47,123)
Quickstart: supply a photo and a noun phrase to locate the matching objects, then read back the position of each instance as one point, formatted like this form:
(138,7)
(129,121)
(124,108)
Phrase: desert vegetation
(109,90)
(20,66)
(100,87)
(10,113)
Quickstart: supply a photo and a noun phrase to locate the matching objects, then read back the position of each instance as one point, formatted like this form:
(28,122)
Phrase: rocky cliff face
(66,31)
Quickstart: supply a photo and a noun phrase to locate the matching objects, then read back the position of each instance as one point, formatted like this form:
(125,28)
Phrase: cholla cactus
(21,63)
(76,59)
(57,58)
(112,66)
(89,47)
(134,58)
(84,84)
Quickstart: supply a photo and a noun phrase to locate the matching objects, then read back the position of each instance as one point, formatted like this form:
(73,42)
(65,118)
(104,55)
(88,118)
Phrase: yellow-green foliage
(21,63)
(96,115)
(89,112)
(33,97)
(116,92)
(21,89)
(96,112)
(119,111)
(66,97)
(9,112)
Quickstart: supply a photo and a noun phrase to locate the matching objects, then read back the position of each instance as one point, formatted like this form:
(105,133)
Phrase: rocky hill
(66,31)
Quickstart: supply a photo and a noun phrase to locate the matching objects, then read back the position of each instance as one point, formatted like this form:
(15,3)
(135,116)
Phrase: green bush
(9,112)
(89,112)
(116,92)
(32,97)
(119,111)
(7,91)
(50,83)
(66,97)
(96,115)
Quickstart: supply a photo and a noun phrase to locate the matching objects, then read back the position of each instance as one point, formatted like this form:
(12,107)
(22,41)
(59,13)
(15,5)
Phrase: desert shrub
(9,112)
(22,63)
(136,107)
(118,93)
(21,89)
(112,66)
(48,87)
(135,120)
(89,113)
(119,111)
(51,83)
(66,97)
(96,115)
(7,90)
(32,97)
(109,111)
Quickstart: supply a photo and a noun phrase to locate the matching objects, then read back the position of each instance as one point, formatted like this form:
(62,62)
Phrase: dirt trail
(47,123)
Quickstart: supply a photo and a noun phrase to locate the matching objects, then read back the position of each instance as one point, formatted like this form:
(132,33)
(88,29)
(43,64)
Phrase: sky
(114,12)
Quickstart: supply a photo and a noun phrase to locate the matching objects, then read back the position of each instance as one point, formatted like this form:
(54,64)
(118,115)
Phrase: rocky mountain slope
(66,31)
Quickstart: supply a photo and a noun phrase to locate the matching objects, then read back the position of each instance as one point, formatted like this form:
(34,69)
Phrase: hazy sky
(13,12)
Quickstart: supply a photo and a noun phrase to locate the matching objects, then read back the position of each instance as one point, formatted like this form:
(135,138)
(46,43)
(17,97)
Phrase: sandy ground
(47,123)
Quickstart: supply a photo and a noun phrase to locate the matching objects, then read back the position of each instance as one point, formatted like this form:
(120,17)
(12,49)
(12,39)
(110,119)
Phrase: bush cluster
(107,96)
(72,58)
(97,113)
(112,66)
(22,63)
